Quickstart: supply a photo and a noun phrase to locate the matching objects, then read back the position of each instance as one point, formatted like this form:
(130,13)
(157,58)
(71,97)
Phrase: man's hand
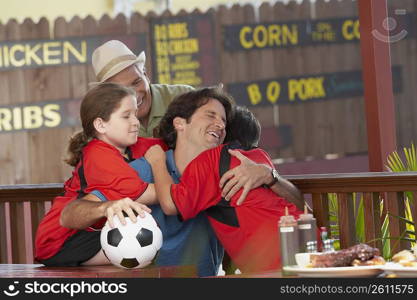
(248,175)
(155,154)
(126,205)
(84,212)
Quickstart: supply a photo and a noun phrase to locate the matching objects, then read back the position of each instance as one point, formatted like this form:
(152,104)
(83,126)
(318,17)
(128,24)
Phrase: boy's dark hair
(244,128)
(185,105)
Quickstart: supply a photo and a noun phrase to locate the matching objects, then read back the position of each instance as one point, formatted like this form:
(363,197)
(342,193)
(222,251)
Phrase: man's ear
(99,125)
(179,123)
(146,75)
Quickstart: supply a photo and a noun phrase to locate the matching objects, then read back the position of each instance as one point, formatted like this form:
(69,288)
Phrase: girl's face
(121,130)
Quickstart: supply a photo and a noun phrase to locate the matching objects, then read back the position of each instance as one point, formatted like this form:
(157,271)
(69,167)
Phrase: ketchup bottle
(307,227)
(290,242)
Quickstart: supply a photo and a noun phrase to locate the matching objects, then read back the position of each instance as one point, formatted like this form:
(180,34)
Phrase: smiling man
(201,123)
(194,125)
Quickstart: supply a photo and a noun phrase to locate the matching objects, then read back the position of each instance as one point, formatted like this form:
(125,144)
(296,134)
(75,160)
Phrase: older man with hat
(115,62)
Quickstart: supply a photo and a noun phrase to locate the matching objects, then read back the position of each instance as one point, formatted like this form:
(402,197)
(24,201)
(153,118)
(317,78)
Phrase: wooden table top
(108,271)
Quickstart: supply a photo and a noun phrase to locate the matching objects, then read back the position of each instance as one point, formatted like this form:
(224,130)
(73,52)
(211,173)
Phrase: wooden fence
(316,128)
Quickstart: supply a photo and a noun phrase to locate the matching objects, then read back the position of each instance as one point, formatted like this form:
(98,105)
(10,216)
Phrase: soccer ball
(133,245)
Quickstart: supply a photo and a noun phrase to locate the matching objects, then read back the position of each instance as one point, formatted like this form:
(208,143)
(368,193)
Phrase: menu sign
(308,32)
(183,50)
(306,88)
(69,51)
(39,115)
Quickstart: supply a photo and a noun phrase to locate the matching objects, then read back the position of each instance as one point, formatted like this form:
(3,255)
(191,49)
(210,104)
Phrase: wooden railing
(23,206)
(380,192)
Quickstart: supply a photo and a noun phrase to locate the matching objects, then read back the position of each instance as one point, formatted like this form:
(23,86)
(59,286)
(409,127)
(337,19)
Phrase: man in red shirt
(248,231)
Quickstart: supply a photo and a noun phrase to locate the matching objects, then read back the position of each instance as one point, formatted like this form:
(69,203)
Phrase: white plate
(400,270)
(360,271)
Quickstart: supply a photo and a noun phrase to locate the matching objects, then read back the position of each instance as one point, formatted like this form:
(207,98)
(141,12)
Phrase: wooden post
(379,97)
(377,77)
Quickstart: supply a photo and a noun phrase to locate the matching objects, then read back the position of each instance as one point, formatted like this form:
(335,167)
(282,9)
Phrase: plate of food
(403,264)
(356,271)
(357,261)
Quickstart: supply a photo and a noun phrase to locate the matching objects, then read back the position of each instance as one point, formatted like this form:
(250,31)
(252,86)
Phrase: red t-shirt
(105,170)
(254,244)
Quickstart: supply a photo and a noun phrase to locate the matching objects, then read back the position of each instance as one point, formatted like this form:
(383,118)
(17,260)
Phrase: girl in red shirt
(100,154)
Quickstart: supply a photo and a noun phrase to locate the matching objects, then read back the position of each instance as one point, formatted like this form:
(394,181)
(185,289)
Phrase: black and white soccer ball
(133,245)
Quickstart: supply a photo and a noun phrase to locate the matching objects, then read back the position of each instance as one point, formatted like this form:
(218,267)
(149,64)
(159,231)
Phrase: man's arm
(163,181)
(84,212)
(249,175)
(149,196)
(290,192)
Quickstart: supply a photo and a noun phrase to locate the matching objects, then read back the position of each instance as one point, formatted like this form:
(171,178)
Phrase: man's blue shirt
(191,242)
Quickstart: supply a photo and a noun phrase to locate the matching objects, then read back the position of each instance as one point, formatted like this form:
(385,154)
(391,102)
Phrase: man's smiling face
(206,127)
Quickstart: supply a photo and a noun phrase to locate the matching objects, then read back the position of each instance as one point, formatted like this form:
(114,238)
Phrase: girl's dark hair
(99,102)
(243,128)
(185,105)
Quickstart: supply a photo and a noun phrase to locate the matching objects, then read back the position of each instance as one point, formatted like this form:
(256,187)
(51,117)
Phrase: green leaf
(360,222)
(386,247)
(410,155)
(401,218)
(395,164)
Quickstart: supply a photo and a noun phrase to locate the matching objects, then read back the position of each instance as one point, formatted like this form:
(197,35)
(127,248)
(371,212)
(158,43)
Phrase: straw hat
(112,57)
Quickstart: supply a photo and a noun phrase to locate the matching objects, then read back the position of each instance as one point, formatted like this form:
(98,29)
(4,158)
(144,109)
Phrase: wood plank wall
(317,128)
